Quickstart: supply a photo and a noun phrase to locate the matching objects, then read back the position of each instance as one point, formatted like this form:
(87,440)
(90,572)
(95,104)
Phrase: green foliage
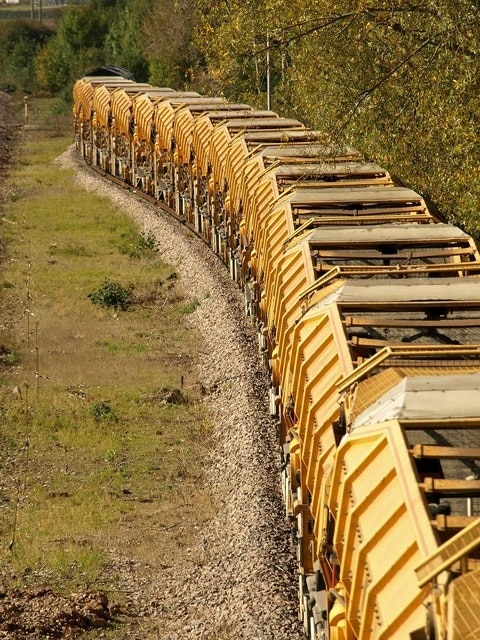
(138,247)
(112,294)
(173,58)
(77,46)
(125,43)
(8,357)
(102,411)
(20,40)
(189,307)
(398,81)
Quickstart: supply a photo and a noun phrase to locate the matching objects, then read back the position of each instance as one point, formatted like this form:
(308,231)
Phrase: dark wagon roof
(110,70)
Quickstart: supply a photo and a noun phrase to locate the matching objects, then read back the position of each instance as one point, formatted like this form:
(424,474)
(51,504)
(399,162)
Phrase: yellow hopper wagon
(367,306)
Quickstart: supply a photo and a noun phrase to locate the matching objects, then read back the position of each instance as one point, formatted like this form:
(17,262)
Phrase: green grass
(86,443)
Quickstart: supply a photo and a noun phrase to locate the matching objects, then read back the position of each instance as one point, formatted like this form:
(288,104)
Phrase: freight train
(368,313)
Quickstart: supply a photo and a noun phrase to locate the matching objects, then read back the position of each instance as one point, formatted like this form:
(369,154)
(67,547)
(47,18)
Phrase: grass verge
(91,451)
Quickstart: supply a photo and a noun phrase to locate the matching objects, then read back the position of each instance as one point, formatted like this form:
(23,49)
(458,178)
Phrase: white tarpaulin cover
(426,397)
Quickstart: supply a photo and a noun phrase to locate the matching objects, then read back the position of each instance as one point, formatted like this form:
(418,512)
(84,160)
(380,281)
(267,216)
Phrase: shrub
(112,294)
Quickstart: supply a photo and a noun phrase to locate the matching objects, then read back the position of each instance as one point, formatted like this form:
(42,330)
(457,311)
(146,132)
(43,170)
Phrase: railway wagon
(398,251)
(83,107)
(248,161)
(322,205)
(431,327)
(368,310)
(204,158)
(409,464)
(231,154)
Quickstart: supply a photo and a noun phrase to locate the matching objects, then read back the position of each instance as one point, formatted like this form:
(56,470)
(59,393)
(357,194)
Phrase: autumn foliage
(397,79)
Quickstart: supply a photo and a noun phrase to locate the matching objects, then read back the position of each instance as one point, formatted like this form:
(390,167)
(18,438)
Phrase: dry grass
(90,460)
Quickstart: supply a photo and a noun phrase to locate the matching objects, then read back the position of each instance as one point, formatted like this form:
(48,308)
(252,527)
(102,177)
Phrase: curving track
(238,581)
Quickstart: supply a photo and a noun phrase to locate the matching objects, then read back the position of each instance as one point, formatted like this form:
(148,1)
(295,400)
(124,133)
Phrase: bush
(112,294)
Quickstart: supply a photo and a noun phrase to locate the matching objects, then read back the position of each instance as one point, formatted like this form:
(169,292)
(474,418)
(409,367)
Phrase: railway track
(238,581)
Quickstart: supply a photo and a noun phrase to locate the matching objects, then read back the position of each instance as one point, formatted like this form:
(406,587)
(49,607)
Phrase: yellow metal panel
(283,285)
(143,110)
(183,132)
(164,116)
(77,93)
(236,161)
(319,358)
(449,553)
(83,99)
(264,223)
(220,140)
(250,198)
(122,107)
(269,244)
(382,531)
(102,106)
(320,417)
(201,140)
(464,610)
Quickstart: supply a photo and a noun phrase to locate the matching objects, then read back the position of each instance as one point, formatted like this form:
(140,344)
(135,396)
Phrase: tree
(20,40)
(77,46)
(396,79)
(124,43)
(167,30)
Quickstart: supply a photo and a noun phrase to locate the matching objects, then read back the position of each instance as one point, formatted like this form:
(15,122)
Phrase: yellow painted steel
(183,133)
(83,99)
(102,106)
(235,168)
(463,615)
(358,506)
(143,114)
(319,357)
(163,118)
(382,531)
(281,290)
(122,111)
(201,143)
(451,552)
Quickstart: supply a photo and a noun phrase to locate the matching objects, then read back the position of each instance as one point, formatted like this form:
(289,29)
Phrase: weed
(189,307)
(102,411)
(110,455)
(8,357)
(147,241)
(112,294)
(138,247)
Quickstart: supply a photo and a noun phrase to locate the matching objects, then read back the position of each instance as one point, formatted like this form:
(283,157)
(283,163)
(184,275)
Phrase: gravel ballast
(239,580)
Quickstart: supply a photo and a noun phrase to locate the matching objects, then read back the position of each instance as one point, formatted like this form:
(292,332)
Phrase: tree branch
(368,92)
